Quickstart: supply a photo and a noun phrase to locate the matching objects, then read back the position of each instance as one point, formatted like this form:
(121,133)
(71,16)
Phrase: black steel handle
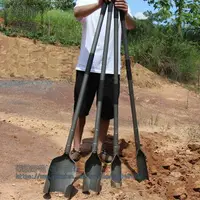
(102,78)
(116,80)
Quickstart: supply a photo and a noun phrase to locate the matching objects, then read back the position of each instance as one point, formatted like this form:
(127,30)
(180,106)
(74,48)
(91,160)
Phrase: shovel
(62,170)
(140,156)
(93,166)
(116,163)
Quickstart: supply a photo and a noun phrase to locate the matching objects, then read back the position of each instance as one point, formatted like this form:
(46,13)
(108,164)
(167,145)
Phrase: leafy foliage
(187,12)
(160,49)
(63,4)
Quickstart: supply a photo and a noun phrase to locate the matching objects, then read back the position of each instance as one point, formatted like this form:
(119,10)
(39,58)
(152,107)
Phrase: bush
(1,14)
(63,26)
(53,26)
(162,51)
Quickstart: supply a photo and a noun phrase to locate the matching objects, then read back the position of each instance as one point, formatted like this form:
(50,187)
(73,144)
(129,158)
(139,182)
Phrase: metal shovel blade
(142,166)
(116,179)
(92,175)
(61,175)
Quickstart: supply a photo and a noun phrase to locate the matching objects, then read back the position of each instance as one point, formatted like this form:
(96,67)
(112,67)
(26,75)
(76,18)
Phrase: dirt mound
(142,77)
(24,58)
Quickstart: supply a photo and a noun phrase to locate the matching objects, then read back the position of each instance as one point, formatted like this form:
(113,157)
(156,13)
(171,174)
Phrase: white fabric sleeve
(83,2)
(129,11)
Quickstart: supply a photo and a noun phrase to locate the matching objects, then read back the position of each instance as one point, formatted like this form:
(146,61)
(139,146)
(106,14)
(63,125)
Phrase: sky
(138,7)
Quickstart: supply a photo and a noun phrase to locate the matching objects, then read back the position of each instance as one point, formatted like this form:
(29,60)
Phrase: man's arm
(123,6)
(130,23)
(84,11)
(85,7)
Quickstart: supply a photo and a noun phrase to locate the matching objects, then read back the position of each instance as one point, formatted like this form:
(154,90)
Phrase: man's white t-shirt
(89,25)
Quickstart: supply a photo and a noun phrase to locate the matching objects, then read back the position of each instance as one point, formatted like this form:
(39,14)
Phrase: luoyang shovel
(141,158)
(93,167)
(62,171)
(116,163)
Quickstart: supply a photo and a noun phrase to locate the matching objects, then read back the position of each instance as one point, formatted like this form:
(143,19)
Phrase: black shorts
(107,111)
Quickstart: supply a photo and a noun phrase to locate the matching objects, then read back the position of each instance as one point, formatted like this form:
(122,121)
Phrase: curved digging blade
(116,178)
(142,166)
(61,175)
(92,175)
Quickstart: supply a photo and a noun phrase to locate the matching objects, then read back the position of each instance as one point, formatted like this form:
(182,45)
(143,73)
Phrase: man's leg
(78,133)
(103,133)
(85,108)
(107,114)
(75,153)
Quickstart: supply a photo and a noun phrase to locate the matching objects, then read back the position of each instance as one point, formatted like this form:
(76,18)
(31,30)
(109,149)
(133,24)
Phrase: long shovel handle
(116,178)
(116,81)
(85,79)
(141,158)
(130,80)
(102,78)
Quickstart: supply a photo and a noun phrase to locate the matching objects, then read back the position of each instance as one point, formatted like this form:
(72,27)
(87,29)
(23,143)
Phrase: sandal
(106,157)
(75,155)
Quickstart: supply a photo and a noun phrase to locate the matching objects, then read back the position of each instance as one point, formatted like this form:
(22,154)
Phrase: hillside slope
(24,58)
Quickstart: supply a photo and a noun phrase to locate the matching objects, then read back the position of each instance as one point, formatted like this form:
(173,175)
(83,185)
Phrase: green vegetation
(167,43)
(162,50)
(44,22)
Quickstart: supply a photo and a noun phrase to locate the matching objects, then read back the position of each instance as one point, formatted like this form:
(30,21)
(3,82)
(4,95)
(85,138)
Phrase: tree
(63,4)
(27,10)
(38,4)
(187,12)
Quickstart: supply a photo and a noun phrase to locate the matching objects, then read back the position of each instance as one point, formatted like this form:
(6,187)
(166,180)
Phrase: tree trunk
(180,6)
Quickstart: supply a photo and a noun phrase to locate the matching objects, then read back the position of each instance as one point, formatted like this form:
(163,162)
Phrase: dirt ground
(36,100)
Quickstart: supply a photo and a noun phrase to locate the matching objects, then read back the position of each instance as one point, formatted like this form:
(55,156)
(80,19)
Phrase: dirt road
(35,117)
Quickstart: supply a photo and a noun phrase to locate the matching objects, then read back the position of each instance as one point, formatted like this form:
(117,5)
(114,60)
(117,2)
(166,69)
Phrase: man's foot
(75,155)
(106,157)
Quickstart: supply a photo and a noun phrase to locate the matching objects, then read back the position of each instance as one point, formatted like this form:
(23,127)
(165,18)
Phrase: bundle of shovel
(62,170)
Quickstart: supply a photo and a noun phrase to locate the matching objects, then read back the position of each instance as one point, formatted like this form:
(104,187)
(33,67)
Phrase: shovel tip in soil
(142,166)
(61,175)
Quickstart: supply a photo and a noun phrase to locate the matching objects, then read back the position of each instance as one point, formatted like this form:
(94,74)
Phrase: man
(88,12)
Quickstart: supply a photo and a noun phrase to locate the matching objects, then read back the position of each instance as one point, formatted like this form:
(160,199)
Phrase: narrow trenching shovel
(93,166)
(141,158)
(62,170)
(116,179)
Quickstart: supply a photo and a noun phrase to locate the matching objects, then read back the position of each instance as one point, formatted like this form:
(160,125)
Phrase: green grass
(63,27)
(1,13)
(57,27)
